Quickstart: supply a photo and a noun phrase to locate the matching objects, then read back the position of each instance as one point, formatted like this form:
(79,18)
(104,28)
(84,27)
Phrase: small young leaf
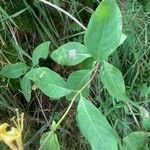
(94,127)
(40,51)
(113,81)
(49,141)
(144,112)
(70,54)
(49,82)
(136,141)
(104,30)
(14,70)
(123,38)
(26,87)
(145,90)
(77,80)
(146,123)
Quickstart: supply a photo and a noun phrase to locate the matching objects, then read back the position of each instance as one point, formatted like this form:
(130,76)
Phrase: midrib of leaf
(38,56)
(83,54)
(93,125)
(106,22)
(56,142)
(50,84)
(18,69)
(83,80)
(101,37)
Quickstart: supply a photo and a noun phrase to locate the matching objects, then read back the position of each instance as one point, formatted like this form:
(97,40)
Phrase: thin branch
(40,104)
(65,12)
(71,104)
(134,117)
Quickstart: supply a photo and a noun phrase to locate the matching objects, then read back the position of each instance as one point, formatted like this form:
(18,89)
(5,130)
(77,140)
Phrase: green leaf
(136,141)
(49,141)
(146,123)
(94,127)
(14,70)
(49,82)
(104,30)
(144,90)
(113,81)
(26,87)
(77,80)
(144,112)
(40,51)
(88,63)
(70,54)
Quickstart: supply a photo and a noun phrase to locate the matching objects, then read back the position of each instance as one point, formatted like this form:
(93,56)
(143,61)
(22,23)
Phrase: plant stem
(20,144)
(79,92)
(65,12)
(134,117)
(11,146)
(70,105)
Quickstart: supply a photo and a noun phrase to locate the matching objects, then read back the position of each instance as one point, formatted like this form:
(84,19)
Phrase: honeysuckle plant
(102,37)
(13,137)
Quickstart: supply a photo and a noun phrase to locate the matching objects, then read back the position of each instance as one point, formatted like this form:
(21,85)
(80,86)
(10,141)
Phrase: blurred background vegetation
(24,24)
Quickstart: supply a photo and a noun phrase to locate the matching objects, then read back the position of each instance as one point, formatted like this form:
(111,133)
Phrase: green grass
(45,23)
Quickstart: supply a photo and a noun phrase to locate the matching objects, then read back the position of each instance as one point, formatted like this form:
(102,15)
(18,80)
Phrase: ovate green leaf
(49,82)
(40,51)
(144,112)
(146,123)
(14,70)
(70,54)
(145,118)
(77,80)
(94,127)
(104,30)
(113,81)
(26,87)
(49,141)
(136,141)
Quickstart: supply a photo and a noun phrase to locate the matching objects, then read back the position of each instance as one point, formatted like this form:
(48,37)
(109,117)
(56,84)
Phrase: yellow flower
(9,136)
(13,137)
(3,130)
